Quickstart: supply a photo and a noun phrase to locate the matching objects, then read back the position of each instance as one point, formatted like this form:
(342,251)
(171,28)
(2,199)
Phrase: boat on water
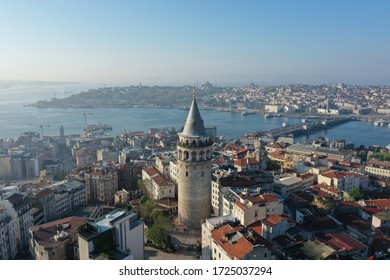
(270,115)
(381,122)
(245,113)
(98,126)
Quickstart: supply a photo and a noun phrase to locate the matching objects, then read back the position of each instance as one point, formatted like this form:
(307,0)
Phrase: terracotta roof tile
(236,250)
(240,205)
(382,204)
(343,242)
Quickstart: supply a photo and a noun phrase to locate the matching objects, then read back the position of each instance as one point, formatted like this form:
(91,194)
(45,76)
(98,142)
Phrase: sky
(183,42)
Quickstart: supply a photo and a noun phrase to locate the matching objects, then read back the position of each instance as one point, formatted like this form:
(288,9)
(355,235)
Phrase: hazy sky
(175,42)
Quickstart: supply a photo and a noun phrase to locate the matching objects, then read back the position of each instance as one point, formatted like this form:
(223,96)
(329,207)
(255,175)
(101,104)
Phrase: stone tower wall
(194,182)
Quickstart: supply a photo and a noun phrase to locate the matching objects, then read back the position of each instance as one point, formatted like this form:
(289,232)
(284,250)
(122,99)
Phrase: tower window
(186,173)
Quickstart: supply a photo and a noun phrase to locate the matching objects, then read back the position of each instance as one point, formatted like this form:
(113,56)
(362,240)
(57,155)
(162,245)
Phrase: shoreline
(365,118)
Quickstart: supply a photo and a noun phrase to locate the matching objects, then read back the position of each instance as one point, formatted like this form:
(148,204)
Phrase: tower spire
(194,124)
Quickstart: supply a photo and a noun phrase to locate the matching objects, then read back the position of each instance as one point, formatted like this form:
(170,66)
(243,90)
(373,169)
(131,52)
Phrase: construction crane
(84,114)
(85,118)
(41,126)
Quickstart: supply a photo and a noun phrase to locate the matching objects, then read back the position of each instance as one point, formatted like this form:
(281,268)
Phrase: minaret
(194,170)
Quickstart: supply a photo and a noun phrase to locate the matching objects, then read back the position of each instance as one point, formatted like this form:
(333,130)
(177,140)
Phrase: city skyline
(153,42)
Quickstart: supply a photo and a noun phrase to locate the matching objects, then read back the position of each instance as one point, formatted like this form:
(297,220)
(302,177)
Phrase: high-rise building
(194,170)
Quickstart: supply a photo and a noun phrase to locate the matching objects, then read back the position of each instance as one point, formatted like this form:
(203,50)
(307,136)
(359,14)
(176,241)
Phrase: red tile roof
(277,154)
(245,161)
(305,176)
(257,227)
(43,194)
(274,219)
(341,242)
(220,161)
(325,188)
(271,197)
(333,174)
(233,147)
(97,173)
(151,171)
(382,204)
(370,210)
(157,176)
(276,146)
(378,162)
(236,250)
(240,205)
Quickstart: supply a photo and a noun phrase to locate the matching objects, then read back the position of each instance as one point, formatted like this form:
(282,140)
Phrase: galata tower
(194,170)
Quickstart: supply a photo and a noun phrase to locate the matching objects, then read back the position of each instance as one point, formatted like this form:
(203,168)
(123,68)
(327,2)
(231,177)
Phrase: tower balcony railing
(198,145)
(196,159)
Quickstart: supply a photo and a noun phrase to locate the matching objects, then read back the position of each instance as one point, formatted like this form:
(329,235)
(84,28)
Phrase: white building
(120,230)
(342,180)
(236,242)
(207,227)
(157,184)
(250,209)
(275,225)
(173,171)
(163,163)
(377,168)
(286,184)
(273,108)
(106,154)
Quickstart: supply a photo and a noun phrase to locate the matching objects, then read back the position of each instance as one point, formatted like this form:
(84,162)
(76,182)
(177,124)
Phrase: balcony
(192,145)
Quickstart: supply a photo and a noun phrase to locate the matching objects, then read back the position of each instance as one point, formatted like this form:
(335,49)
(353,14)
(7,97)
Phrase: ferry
(269,115)
(98,126)
(247,113)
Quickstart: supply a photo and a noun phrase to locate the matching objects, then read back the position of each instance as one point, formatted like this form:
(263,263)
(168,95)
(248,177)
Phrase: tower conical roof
(194,123)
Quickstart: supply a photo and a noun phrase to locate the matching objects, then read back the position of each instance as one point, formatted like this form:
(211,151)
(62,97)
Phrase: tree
(323,204)
(158,233)
(356,194)
(145,210)
(145,186)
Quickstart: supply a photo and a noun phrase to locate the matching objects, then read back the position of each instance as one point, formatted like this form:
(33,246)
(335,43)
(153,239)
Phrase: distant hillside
(143,96)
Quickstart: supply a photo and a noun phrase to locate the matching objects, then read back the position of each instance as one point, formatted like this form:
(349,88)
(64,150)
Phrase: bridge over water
(305,127)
